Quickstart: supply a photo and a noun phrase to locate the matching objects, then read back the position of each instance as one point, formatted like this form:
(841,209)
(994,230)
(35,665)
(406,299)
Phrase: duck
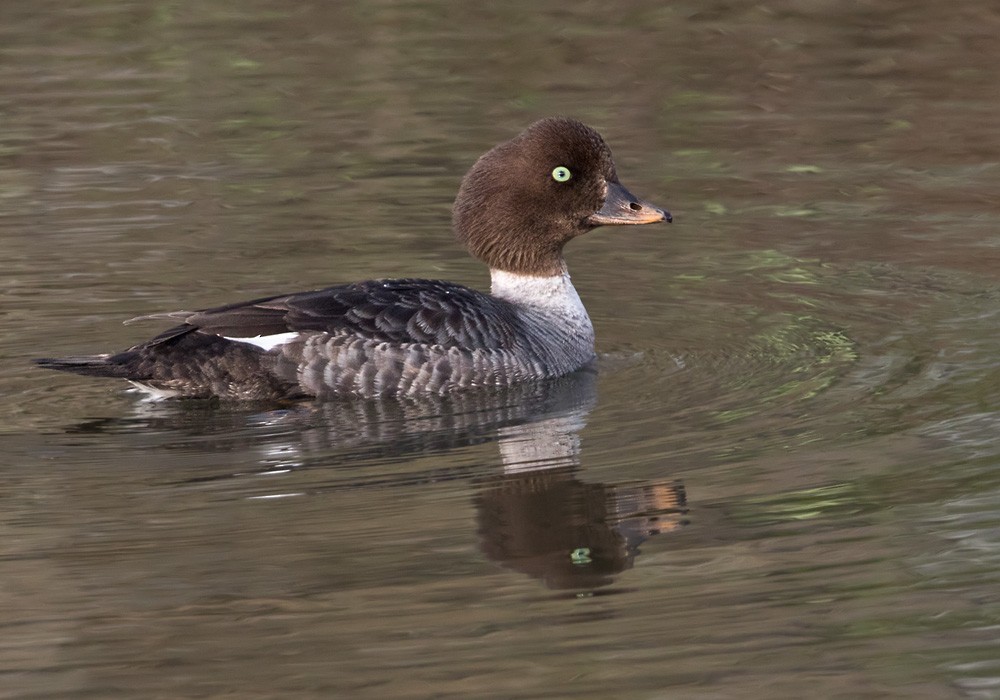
(517,207)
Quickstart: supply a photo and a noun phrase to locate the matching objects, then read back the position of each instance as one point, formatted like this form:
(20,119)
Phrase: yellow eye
(561,173)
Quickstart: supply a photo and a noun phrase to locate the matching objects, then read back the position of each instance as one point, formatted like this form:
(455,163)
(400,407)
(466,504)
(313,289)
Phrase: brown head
(526,198)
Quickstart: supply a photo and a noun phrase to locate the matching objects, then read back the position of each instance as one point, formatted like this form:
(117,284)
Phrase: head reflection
(568,533)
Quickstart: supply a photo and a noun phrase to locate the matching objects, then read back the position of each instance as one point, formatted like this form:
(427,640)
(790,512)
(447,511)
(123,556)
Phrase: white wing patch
(267,342)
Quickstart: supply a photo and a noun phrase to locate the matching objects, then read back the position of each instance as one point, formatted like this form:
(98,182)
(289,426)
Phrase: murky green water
(783,480)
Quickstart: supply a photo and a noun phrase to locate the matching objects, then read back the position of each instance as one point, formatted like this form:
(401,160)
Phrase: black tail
(193,365)
(91,365)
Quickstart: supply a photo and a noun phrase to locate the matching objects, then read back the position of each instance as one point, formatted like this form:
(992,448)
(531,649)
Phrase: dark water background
(783,481)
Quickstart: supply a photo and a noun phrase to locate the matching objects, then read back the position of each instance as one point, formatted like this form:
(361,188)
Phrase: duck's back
(369,338)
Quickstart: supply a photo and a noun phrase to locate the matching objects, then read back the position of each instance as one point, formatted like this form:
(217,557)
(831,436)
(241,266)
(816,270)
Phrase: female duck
(516,209)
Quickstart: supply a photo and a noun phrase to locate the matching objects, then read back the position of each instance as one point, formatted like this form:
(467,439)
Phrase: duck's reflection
(568,533)
(539,519)
(535,516)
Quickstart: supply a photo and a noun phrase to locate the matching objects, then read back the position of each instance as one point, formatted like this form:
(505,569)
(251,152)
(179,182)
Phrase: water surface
(782,475)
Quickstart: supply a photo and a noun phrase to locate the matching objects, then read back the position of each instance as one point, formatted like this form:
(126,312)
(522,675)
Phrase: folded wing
(393,311)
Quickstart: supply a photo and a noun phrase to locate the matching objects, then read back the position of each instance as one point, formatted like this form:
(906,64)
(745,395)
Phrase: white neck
(555,292)
(557,326)
(551,297)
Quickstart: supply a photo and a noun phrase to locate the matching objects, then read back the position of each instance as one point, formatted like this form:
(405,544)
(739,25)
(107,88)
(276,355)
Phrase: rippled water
(782,478)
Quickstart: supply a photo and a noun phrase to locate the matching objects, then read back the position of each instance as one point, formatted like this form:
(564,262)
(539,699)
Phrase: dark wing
(394,311)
